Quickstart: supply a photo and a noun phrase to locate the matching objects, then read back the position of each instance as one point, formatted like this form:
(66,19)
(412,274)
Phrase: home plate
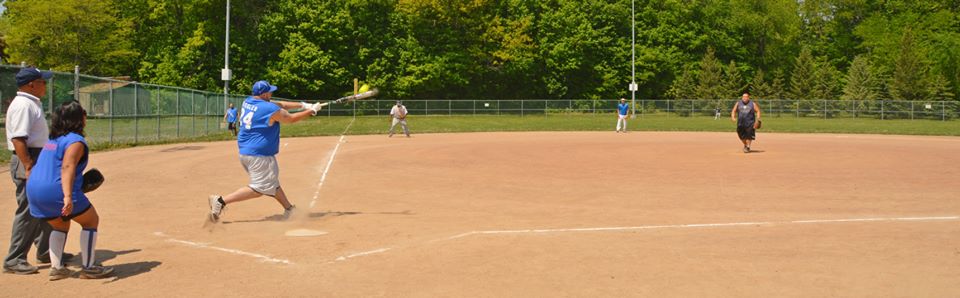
(304,233)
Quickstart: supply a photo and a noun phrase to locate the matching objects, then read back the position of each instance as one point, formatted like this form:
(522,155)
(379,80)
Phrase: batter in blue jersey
(259,142)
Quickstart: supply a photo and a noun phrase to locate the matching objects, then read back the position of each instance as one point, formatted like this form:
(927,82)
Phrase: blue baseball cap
(30,74)
(261,87)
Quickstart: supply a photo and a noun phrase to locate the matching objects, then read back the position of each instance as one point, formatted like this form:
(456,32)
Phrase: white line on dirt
(333,154)
(360,254)
(711,225)
(262,258)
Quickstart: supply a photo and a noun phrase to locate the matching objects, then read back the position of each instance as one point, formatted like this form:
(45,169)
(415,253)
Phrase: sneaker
(20,269)
(66,257)
(746,149)
(95,272)
(287,213)
(215,208)
(60,273)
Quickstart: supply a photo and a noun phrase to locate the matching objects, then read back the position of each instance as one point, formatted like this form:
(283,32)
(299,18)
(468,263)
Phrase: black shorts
(746,132)
(71,216)
(231,126)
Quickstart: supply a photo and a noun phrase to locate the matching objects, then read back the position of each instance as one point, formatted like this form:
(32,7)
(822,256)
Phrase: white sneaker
(287,213)
(215,208)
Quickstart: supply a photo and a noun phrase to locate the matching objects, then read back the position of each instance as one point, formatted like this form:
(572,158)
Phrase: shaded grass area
(151,131)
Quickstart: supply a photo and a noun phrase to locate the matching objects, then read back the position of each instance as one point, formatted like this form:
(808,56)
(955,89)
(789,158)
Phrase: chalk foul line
(333,154)
(360,254)
(261,257)
(707,225)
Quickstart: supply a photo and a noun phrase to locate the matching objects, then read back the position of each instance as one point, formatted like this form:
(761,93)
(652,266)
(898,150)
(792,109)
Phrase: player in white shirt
(27,133)
(399,115)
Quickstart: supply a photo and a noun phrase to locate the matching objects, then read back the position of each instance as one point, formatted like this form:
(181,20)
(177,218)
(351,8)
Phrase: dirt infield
(533,214)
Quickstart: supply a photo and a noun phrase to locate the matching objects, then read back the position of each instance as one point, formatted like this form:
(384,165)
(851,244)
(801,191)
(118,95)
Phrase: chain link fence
(125,112)
(827,109)
(121,111)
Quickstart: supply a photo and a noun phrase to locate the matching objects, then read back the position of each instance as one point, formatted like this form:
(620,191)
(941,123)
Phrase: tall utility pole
(225,72)
(633,60)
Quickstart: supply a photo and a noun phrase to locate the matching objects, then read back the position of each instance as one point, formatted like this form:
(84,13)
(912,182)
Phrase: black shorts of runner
(746,132)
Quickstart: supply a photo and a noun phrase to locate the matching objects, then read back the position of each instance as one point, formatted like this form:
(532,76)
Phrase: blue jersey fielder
(257,136)
(623,108)
(232,115)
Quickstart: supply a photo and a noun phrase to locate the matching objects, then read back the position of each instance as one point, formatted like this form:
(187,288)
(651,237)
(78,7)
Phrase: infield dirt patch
(533,214)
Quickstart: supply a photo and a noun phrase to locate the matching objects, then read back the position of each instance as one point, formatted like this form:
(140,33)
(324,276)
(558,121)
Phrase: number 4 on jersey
(246,117)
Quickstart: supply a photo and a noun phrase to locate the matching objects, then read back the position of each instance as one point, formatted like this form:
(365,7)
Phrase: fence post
(449,107)
(76,83)
(911,110)
(854,109)
(943,111)
(136,120)
(111,111)
(474,107)
(882,102)
(50,94)
(158,112)
(544,108)
(178,113)
(498,107)
(798,108)
(206,112)
(193,113)
(824,109)
(521,108)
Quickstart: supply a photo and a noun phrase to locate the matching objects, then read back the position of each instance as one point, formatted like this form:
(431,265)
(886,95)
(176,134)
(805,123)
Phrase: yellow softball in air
(364,88)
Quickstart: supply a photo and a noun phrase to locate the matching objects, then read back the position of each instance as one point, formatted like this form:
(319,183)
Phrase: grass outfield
(190,129)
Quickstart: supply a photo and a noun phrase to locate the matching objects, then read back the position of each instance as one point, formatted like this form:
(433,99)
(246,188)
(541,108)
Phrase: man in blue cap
(27,132)
(259,143)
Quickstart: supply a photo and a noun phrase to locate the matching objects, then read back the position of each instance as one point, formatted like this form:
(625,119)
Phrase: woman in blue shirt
(53,191)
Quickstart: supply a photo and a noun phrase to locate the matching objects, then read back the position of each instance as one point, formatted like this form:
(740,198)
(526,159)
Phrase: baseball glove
(91,180)
(759,124)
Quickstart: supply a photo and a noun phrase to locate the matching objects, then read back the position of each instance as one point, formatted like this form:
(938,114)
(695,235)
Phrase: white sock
(57,240)
(88,245)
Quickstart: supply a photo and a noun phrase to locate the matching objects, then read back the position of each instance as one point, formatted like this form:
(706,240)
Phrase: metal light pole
(633,60)
(225,72)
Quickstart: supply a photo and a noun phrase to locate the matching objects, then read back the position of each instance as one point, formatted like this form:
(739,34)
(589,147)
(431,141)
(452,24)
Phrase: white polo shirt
(398,111)
(25,119)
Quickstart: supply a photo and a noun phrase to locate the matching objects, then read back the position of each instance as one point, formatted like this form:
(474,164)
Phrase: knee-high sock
(88,245)
(57,240)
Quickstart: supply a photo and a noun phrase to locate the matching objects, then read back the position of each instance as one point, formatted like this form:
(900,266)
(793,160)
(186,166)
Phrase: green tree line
(507,49)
